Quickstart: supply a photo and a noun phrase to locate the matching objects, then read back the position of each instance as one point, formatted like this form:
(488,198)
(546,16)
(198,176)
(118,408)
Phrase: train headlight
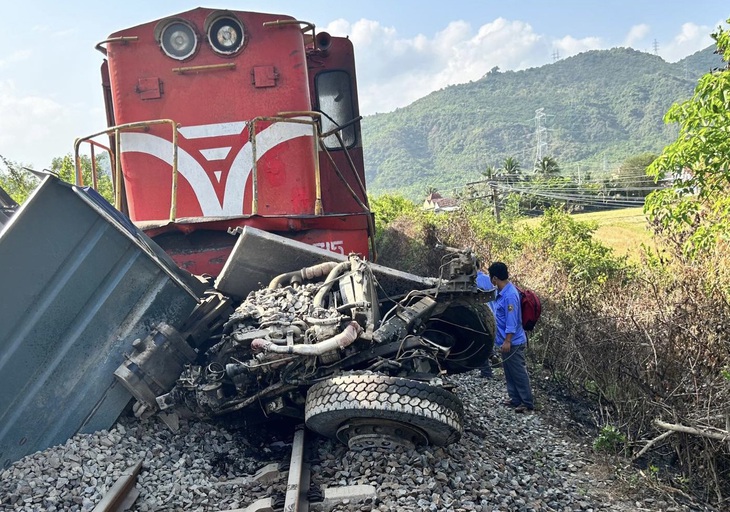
(225,35)
(178,40)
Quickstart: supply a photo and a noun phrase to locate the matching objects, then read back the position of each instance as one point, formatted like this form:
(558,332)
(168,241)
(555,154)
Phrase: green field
(623,230)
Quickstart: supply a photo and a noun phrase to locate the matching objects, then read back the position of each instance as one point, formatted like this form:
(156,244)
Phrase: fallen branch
(722,435)
(653,442)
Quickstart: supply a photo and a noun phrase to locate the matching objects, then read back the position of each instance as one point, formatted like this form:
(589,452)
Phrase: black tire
(436,412)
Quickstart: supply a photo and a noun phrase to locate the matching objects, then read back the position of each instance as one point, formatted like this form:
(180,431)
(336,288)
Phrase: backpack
(530,307)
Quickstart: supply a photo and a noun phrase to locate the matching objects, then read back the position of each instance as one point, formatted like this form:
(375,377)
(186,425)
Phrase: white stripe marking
(243,163)
(215,153)
(189,169)
(212,130)
(194,173)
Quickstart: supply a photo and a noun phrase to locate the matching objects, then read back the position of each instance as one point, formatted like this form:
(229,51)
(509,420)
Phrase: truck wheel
(370,410)
(470,327)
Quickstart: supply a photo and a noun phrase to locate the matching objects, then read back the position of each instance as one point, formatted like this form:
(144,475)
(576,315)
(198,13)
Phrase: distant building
(437,203)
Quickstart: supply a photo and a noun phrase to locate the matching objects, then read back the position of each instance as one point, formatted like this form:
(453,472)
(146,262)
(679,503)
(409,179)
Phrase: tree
(547,166)
(16,181)
(632,176)
(387,208)
(511,170)
(65,168)
(490,172)
(19,182)
(694,213)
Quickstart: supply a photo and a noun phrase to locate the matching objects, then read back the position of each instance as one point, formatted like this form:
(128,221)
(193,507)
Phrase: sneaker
(509,403)
(523,408)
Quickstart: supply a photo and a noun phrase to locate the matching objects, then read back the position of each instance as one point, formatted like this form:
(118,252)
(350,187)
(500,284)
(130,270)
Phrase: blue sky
(405,49)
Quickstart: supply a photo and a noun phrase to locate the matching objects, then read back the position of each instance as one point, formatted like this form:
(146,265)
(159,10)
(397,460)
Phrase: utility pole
(656,47)
(495,200)
(556,56)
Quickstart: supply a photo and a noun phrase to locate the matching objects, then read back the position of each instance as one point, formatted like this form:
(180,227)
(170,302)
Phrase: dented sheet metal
(79,284)
(259,256)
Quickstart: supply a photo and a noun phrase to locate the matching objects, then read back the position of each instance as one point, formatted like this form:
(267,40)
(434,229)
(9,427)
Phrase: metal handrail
(208,67)
(123,39)
(305,25)
(117,165)
(287,117)
(282,117)
(94,179)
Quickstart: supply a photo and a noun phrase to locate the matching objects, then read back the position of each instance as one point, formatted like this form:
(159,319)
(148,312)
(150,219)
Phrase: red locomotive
(221,119)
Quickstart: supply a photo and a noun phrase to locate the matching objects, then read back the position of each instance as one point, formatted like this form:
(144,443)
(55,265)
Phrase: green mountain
(597,109)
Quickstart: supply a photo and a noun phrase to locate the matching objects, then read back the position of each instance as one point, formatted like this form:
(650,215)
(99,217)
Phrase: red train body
(221,119)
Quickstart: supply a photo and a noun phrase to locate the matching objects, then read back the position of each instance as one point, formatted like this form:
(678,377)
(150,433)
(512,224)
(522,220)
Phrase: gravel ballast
(505,461)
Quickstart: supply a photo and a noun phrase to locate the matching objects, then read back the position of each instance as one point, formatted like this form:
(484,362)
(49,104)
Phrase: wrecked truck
(330,345)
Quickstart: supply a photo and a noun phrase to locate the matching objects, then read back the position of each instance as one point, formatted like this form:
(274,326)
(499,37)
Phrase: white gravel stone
(504,461)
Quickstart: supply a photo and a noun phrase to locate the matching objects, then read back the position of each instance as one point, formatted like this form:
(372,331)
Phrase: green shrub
(610,440)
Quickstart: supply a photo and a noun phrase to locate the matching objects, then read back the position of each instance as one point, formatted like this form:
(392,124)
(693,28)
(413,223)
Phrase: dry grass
(623,230)
(650,343)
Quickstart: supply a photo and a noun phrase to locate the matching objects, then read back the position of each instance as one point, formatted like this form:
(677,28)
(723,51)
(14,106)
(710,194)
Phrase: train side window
(334,95)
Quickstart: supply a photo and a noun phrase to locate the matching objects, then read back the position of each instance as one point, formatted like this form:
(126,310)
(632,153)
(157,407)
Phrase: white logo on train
(193,172)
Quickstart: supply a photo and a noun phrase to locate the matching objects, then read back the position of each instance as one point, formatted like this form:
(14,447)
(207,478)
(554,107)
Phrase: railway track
(299,495)
(504,461)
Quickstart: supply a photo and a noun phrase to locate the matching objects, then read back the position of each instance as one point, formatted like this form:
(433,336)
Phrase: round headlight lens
(178,40)
(226,35)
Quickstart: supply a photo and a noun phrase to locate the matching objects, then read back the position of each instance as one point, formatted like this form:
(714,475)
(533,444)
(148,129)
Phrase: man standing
(511,338)
(484,282)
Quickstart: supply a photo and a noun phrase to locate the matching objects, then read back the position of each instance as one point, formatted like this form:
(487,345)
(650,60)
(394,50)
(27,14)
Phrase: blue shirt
(508,315)
(484,282)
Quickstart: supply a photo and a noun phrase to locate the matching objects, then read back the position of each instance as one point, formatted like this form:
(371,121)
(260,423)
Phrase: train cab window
(334,95)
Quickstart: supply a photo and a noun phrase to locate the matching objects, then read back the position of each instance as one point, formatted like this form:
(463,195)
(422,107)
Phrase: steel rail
(113,499)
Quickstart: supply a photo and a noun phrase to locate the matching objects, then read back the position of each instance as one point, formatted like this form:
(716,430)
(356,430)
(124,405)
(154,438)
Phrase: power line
(585,199)
(608,204)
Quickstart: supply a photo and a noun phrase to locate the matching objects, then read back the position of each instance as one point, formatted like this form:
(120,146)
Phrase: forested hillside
(599,107)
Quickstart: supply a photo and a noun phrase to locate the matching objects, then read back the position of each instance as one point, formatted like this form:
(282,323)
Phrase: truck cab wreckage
(320,344)
(231,276)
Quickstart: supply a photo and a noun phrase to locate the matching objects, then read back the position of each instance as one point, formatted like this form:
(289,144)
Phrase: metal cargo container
(79,284)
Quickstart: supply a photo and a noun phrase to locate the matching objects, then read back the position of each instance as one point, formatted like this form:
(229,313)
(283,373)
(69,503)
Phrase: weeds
(610,441)
(641,343)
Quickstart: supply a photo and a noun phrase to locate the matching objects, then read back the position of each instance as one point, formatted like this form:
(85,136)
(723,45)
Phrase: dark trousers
(515,373)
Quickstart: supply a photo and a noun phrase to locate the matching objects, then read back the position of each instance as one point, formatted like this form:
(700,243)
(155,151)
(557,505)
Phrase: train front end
(221,119)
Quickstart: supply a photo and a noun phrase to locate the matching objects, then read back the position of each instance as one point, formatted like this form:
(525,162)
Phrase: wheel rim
(367,433)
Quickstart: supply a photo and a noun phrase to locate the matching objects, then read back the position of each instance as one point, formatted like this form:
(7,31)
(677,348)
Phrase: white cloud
(690,39)
(394,71)
(636,35)
(569,46)
(14,57)
(30,126)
